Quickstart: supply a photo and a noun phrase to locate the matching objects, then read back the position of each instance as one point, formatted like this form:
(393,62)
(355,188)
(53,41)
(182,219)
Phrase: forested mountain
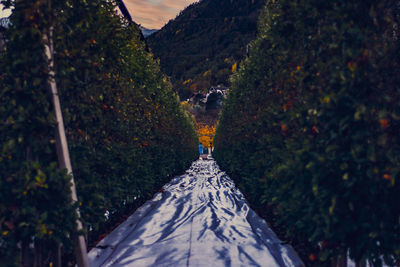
(200,47)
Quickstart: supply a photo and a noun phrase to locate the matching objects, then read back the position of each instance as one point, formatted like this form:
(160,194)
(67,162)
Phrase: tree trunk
(25,255)
(38,255)
(340,261)
(59,254)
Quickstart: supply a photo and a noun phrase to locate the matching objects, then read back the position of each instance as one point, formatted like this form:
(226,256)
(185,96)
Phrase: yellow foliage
(206,141)
(186,105)
(206,135)
(187,81)
(207,73)
(234,67)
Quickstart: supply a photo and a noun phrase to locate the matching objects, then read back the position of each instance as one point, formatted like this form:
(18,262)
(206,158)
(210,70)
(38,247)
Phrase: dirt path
(200,219)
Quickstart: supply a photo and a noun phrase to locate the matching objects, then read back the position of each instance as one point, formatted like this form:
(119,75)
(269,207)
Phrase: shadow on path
(200,219)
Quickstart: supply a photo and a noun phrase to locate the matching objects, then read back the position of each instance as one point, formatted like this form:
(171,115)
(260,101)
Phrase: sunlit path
(200,219)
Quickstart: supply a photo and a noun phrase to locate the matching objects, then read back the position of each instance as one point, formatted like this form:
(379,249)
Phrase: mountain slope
(147,32)
(199,47)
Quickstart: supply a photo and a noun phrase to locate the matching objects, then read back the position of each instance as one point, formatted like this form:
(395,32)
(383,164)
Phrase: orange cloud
(154,14)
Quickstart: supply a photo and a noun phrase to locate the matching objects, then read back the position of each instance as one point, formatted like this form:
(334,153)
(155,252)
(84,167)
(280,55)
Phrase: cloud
(154,14)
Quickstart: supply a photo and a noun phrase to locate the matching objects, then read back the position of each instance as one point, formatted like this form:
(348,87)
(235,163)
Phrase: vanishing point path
(199,219)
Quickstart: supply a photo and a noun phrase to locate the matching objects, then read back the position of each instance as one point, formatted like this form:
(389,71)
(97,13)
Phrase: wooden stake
(62,145)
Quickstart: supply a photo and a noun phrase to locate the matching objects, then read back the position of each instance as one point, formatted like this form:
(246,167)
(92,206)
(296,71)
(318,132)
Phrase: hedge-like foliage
(310,128)
(126,129)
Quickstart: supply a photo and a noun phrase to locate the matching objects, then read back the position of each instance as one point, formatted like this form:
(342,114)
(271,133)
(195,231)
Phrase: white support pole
(62,145)
(61,140)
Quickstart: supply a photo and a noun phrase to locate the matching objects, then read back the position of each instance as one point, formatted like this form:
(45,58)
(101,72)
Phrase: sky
(153,14)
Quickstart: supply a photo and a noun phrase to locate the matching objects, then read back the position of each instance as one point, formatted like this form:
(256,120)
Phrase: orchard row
(126,129)
(310,131)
